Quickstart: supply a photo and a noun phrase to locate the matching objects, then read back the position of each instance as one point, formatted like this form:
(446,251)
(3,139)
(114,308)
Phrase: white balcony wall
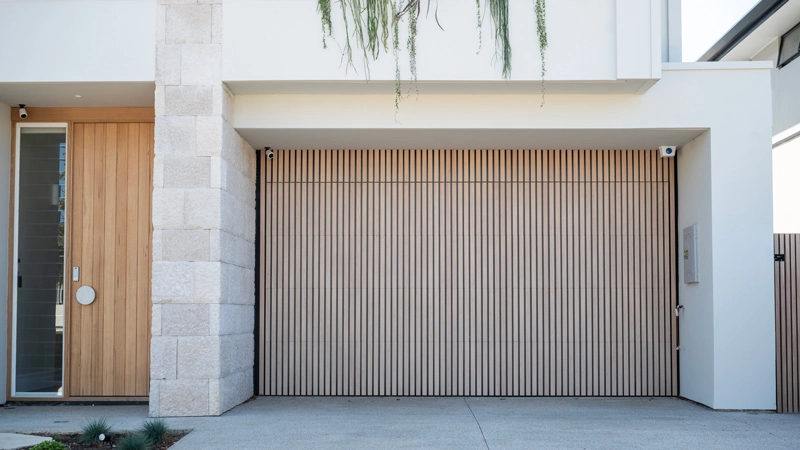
(590,40)
(77,40)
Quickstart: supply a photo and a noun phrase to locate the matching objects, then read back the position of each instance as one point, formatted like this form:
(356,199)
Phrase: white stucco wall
(5,186)
(785,123)
(786,97)
(786,186)
(596,40)
(697,317)
(725,185)
(77,40)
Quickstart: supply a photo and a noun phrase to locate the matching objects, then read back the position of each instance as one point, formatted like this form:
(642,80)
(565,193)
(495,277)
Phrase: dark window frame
(795,55)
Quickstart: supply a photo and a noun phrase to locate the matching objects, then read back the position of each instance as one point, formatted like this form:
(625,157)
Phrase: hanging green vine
(480,26)
(541,31)
(499,11)
(373,21)
(324,8)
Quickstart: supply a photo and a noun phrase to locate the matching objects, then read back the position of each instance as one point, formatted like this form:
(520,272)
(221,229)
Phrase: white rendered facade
(220,88)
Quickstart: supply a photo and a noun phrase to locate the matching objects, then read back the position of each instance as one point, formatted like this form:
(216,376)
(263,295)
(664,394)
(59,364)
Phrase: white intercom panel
(690,255)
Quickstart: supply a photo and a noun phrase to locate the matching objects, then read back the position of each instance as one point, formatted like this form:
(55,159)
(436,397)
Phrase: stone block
(250,228)
(186,172)
(173,282)
(184,320)
(157,239)
(207,282)
(233,150)
(168,64)
(189,100)
(216,23)
(168,208)
(174,134)
(216,172)
(240,186)
(235,389)
(232,213)
(238,285)
(198,357)
(223,103)
(158,172)
(161,25)
(213,397)
(231,319)
(236,353)
(236,250)
(160,101)
(201,64)
(215,245)
(208,136)
(188,24)
(154,404)
(155,321)
(185,245)
(163,358)
(203,208)
(183,398)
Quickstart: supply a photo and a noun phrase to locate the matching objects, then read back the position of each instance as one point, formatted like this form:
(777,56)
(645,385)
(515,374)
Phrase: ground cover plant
(151,435)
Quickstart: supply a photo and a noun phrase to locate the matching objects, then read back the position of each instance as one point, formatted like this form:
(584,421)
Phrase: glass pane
(790,46)
(40,261)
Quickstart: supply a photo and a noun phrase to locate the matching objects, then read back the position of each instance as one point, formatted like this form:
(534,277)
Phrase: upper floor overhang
(766,22)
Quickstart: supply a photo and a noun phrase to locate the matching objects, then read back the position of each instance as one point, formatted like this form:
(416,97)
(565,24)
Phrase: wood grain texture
(479,273)
(787,322)
(86,115)
(110,240)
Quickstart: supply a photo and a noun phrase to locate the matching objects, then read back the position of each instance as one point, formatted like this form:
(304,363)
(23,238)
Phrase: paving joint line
(476,421)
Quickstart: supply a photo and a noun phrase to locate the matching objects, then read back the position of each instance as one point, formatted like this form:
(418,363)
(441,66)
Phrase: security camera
(270,153)
(22,113)
(668,151)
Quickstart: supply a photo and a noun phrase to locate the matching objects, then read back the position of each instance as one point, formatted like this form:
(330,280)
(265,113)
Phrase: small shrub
(92,430)
(133,441)
(49,445)
(154,430)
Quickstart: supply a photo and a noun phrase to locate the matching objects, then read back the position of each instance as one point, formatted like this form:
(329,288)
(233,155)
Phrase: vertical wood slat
(787,323)
(463,272)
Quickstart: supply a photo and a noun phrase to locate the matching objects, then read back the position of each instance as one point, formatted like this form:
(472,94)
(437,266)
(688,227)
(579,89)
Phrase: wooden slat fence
(787,322)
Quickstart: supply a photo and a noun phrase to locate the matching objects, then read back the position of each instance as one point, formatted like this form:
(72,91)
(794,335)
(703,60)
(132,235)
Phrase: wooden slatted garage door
(443,272)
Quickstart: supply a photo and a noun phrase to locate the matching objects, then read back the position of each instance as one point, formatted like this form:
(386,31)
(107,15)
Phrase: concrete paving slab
(66,418)
(444,423)
(13,441)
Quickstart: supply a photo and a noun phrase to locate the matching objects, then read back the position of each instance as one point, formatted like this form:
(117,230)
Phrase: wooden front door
(110,235)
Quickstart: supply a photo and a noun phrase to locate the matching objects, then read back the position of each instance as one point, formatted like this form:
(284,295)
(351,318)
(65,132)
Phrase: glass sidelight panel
(39,261)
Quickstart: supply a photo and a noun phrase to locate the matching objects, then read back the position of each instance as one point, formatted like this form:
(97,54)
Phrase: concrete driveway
(442,423)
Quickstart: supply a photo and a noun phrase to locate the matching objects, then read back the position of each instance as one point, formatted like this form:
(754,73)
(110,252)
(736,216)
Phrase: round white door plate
(85,295)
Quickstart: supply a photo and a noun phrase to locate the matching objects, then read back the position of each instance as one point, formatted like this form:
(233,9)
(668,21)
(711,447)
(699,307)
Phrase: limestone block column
(203,223)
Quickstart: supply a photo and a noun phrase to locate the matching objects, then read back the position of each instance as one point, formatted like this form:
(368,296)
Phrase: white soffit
(92,94)
(254,87)
(772,28)
(446,139)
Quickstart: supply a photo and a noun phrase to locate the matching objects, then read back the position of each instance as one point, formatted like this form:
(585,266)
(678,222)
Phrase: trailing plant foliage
(541,31)
(499,11)
(374,21)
